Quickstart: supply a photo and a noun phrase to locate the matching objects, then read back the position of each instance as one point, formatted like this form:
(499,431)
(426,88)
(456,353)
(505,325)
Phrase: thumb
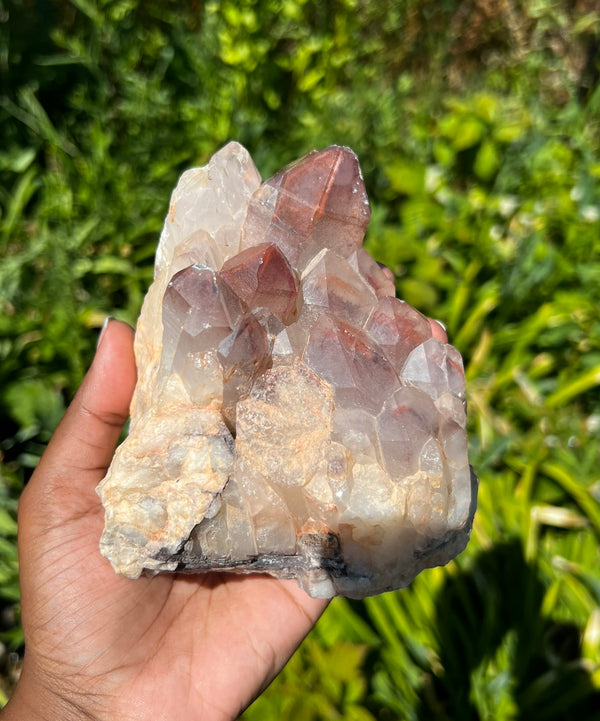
(84,442)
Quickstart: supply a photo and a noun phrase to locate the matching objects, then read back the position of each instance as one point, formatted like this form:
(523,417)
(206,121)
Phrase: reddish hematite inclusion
(292,416)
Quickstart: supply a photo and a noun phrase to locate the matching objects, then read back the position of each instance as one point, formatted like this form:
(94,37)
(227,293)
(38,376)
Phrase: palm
(167,647)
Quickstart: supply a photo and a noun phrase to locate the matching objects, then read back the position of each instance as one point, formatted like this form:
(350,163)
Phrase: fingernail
(103,329)
(442,325)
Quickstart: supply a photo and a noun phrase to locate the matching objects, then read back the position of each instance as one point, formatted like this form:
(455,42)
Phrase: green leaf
(572,388)
(509,133)
(463,132)
(34,404)
(486,106)
(8,526)
(586,23)
(17,160)
(487,161)
(406,176)
(23,192)
(112,265)
(574,488)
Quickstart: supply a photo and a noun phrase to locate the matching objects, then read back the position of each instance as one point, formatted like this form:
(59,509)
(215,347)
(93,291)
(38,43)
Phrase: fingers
(389,273)
(438,330)
(84,442)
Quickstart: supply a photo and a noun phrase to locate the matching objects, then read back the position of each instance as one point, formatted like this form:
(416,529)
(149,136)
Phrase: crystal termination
(291,416)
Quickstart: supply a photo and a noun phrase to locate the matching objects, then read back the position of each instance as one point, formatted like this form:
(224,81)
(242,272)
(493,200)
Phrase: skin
(103,647)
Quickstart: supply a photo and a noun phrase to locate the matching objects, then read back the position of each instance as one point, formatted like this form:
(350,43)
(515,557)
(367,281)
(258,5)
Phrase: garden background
(477,123)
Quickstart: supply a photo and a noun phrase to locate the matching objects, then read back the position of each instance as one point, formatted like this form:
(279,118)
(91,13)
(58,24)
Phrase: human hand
(103,647)
(100,646)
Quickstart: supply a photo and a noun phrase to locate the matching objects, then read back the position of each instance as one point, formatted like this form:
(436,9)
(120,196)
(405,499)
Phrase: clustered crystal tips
(291,416)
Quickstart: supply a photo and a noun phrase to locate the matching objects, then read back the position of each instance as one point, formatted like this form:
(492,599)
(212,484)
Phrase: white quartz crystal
(291,416)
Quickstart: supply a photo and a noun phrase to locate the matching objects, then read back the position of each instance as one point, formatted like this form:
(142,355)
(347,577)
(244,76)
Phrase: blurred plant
(477,128)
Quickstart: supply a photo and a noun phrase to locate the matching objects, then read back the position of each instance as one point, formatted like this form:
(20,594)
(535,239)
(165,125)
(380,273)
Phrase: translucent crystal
(318,202)
(262,278)
(291,416)
(397,329)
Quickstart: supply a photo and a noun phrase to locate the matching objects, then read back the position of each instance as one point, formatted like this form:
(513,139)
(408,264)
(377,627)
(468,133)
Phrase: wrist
(33,700)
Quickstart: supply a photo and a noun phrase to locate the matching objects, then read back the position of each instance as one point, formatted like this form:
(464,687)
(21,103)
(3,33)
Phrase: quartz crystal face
(291,415)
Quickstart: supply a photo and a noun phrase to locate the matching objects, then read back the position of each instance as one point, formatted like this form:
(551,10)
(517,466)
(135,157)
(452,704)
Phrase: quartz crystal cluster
(291,416)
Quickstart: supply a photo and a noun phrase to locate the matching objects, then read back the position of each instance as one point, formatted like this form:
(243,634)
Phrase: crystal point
(262,278)
(318,201)
(291,416)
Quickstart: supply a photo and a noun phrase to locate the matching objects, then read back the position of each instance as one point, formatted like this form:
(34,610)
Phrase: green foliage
(477,128)
(9,576)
